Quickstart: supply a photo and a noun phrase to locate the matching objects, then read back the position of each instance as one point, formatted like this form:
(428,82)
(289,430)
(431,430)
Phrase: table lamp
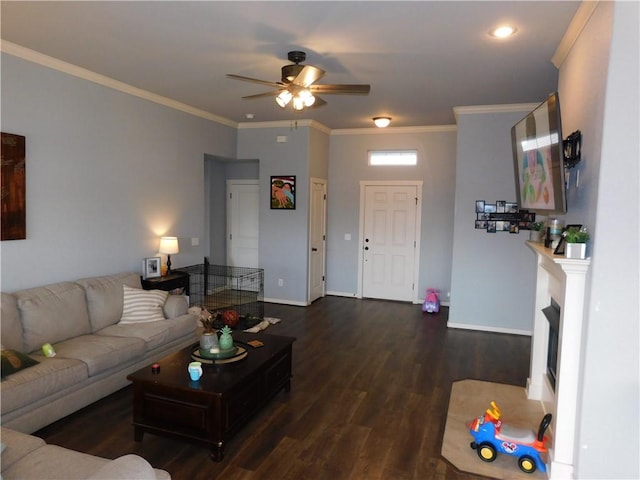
(169,245)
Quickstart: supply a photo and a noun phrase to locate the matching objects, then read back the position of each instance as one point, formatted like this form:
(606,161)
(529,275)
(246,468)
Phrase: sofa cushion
(127,467)
(175,306)
(101,352)
(17,446)
(142,305)
(14,361)
(52,313)
(184,325)
(11,332)
(54,462)
(153,334)
(104,297)
(46,378)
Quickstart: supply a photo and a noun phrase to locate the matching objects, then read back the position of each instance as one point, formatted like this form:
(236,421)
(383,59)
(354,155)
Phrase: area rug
(469,399)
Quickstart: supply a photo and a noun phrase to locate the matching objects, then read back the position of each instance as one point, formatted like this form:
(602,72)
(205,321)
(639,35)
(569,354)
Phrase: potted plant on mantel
(576,240)
(535,234)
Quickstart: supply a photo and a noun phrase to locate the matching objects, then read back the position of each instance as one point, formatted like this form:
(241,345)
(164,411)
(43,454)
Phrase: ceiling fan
(298,85)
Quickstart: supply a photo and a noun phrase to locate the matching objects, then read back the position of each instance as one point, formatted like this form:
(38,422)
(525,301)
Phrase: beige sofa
(95,350)
(27,457)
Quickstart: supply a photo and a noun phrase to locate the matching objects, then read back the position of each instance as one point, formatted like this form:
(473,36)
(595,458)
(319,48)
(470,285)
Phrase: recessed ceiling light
(503,31)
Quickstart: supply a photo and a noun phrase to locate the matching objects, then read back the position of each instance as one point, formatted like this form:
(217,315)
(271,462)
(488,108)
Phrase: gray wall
(283,233)
(348,165)
(492,282)
(599,95)
(319,142)
(107,175)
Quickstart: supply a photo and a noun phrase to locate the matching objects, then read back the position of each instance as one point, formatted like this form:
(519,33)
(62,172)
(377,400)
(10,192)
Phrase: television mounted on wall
(538,159)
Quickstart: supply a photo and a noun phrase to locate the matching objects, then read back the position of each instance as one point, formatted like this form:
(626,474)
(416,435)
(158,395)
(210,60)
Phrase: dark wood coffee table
(214,408)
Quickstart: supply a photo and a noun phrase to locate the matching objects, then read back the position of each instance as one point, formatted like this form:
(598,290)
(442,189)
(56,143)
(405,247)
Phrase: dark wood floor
(368,401)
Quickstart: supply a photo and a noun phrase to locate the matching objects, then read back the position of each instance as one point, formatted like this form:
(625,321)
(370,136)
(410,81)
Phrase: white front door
(389,239)
(242,223)
(317,238)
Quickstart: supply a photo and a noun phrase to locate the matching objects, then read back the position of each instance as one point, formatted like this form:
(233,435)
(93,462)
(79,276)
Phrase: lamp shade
(169,245)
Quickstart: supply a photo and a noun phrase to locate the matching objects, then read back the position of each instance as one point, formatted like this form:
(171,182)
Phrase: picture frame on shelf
(560,248)
(151,267)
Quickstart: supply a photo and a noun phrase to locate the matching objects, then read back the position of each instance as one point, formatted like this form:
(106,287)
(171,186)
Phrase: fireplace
(552,313)
(556,350)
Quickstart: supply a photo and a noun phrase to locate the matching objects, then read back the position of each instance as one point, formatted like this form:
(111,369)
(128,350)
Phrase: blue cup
(195,371)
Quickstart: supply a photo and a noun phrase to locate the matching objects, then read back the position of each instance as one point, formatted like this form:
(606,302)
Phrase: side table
(176,279)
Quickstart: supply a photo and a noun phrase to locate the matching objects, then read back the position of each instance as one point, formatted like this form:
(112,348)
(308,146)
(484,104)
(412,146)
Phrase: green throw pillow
(14,361)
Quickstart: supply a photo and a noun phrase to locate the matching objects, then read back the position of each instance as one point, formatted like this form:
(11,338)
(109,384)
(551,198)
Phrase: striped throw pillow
(142,305)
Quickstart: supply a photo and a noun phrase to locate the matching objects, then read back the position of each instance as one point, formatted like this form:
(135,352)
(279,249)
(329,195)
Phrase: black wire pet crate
(219,288)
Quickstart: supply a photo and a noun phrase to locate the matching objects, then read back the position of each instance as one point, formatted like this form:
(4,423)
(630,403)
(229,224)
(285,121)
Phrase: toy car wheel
(527,464)
(487,452)
(473,445)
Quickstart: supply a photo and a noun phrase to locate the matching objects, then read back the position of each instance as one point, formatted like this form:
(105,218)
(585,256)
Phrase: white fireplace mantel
(564,280)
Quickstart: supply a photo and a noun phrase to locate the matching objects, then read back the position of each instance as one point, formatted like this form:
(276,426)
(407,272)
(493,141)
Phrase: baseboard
(487,328)
(286,302)
(342,294)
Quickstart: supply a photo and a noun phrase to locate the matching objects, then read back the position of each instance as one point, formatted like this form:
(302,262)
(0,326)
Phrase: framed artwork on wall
(14,212)
(283,192)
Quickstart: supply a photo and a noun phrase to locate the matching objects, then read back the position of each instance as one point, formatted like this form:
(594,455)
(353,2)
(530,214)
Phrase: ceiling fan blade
(308,75)
(255,80)
(351,89)
(266,94)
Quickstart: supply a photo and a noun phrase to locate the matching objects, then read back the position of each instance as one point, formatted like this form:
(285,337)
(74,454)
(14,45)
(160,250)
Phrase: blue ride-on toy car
(491,436)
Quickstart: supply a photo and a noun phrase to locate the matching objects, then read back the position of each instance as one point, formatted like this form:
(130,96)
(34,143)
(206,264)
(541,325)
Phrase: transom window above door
(393,157)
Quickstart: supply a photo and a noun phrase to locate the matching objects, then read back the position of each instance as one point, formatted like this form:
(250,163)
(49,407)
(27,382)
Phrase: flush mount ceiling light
(503,31)
(382,122)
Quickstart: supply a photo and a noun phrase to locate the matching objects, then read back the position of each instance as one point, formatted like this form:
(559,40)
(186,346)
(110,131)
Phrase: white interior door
(242,223)
(389,241)
(317,238)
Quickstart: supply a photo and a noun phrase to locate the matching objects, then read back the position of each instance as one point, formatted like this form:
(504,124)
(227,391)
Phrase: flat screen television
(538,159)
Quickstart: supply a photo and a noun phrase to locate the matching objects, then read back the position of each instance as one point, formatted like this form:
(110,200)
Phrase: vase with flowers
(209,339)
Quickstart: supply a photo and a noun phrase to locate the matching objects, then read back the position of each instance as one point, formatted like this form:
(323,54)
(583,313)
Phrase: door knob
(314,249)
(366,248)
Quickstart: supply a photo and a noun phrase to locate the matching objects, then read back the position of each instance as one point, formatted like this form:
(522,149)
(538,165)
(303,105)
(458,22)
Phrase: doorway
(317,237)
(390,219)
(243,223)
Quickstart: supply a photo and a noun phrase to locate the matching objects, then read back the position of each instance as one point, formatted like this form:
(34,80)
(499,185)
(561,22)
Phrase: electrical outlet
(280,282)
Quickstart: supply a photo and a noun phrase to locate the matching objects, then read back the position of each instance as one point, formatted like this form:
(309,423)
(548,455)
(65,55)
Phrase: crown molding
(395,130)
(291,124)
(577,24)
(507,108)
(19,51)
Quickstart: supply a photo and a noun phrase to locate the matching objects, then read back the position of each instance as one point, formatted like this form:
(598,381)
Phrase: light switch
(347,236)
(281,139)
(195,241)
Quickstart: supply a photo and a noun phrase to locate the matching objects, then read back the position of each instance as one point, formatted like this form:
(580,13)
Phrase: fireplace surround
(563,281)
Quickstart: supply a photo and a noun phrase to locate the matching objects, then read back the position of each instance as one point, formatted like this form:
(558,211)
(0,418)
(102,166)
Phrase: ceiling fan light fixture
(307,98)
(284,98)
(381,122)
(298,103)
